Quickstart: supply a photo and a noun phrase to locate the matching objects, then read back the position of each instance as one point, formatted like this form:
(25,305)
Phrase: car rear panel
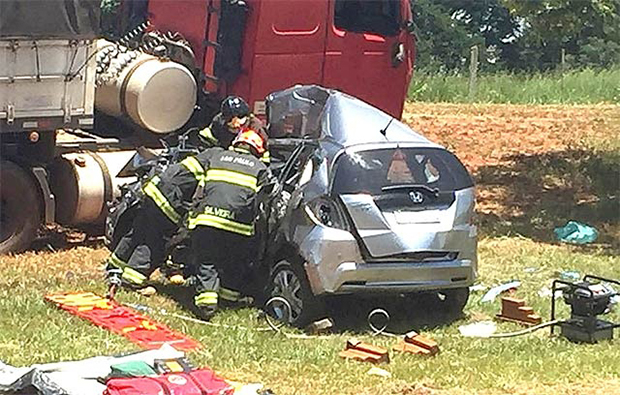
(407,200)
(394,234)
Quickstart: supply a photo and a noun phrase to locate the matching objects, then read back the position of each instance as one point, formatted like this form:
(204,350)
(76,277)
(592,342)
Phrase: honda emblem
(416,197)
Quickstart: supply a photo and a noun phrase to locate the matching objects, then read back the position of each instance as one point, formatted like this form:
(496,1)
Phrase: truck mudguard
(50,19)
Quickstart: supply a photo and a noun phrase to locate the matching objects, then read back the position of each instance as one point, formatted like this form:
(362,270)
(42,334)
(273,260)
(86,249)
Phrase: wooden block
(512,304)
(424,342)
(364,352)
(417,344)
(403,346)
(515,310)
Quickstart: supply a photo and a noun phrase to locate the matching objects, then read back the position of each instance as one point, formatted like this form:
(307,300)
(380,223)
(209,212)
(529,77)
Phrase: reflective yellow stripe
(206,298)
(195,167)
(232,177)
(151,190)
(133,276)
(207,134)
(266,158)
(237,149)
(221,223)
(116,261)
(129,274)
(229,294)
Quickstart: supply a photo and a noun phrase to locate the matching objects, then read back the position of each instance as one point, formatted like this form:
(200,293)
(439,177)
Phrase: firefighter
(222,222)
(166,199)
(234,117)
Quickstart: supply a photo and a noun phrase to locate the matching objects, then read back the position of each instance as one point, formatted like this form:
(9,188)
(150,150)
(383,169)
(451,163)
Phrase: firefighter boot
(113,279)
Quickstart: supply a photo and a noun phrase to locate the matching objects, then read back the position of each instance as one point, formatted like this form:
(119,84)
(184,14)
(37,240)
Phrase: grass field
(573,87)
(536,167)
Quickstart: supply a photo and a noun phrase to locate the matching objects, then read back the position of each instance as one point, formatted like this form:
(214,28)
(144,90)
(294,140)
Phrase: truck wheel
(288,280)
(20,208)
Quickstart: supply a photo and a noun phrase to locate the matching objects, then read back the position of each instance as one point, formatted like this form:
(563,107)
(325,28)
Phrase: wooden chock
(415,343)
(515,310)
(360,351)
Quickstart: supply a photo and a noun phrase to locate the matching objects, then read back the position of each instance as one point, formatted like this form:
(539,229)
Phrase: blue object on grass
(576,233)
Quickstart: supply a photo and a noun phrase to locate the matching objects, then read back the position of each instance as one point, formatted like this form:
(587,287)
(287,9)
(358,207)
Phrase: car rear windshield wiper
(398,187)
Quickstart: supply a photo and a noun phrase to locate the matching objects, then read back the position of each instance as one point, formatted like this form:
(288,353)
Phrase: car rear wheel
(288,281)
(20,208)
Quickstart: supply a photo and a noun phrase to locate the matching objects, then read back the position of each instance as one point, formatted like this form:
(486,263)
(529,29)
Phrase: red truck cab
(360,47)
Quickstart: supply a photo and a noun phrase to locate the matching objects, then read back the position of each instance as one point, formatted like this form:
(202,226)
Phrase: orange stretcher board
(122,320)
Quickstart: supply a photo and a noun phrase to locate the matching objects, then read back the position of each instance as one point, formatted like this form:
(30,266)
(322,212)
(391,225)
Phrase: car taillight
(327,212)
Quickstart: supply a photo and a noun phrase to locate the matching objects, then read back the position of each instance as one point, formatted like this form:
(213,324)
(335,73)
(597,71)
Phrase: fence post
(563,60)
(473,72)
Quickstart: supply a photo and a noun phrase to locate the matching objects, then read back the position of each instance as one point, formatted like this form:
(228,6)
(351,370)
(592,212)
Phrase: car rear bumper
(334,265)
(351,277)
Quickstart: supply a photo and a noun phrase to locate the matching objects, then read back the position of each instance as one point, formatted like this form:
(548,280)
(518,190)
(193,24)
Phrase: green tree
(588,30)
(519,35)
(448,28)
(443,42)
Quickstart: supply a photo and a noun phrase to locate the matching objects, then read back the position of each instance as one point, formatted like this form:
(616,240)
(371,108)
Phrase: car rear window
(373,170)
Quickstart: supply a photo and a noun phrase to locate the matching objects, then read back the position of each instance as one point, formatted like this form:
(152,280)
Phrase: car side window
(368,16)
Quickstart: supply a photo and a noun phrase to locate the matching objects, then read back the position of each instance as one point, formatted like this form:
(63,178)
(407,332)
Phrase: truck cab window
(368,16)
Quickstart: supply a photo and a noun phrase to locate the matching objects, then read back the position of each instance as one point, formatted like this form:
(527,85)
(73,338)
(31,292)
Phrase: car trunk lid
(406,201)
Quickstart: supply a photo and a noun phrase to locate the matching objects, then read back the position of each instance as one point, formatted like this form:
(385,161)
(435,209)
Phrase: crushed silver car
(367,206)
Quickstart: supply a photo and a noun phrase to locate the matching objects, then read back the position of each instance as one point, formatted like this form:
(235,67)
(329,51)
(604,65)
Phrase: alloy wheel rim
(288,286)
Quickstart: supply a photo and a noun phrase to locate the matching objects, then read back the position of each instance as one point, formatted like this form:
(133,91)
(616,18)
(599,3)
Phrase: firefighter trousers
(221,261)
(143,248)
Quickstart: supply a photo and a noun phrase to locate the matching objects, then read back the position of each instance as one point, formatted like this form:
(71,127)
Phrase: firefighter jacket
(228,200)
(174,189)
(219,134)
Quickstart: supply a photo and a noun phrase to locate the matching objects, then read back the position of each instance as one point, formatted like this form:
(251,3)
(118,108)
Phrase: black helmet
(234,106)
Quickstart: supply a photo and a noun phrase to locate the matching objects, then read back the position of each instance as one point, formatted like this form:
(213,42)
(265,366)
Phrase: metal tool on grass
(588,299)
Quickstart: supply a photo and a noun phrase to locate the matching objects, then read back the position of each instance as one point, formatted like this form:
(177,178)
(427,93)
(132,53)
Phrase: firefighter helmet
(234,106)
(252,139)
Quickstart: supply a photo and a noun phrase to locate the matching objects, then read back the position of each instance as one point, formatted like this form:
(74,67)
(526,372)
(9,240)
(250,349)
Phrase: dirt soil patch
(535,167)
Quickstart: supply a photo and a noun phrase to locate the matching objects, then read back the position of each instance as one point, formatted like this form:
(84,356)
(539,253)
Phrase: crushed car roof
(323,113)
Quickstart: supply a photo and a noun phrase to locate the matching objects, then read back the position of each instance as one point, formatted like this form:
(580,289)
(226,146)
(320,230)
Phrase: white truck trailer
(54,168)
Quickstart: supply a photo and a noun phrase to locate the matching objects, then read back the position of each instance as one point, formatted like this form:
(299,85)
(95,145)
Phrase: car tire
(20,208)
(288,281)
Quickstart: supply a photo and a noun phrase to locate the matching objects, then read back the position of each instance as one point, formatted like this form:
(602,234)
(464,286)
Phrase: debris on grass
(569,275)
(375,371)
(478,329)
(576,233)
(478,288)
(320,327)
(496,291)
